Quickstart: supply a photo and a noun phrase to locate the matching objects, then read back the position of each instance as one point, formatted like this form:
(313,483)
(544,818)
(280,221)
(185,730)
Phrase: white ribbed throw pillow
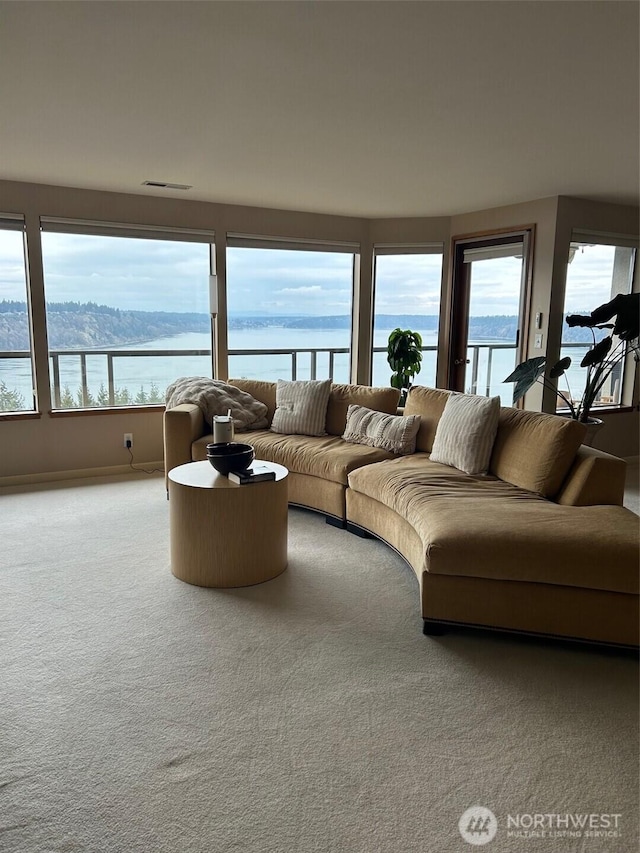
(301,407)
(466,433)
(376,429)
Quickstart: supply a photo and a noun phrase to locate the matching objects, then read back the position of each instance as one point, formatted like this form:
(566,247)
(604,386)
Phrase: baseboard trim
(79,474)
(82,473)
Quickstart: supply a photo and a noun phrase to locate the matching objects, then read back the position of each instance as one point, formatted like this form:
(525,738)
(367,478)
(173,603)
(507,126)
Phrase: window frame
(17,222)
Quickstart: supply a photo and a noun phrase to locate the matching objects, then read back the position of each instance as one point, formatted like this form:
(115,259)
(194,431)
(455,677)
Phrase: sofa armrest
(594,478)
(183,425)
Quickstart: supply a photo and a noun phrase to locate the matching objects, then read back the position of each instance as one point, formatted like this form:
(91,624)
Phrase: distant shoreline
(88,326)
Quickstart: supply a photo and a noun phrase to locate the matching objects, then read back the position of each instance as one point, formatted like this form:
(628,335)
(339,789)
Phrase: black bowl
(230,457)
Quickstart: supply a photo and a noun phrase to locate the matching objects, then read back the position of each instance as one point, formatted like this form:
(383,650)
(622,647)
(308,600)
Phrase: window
(127,311)
(599,268)
(407,281)
(16,363)
(289,308)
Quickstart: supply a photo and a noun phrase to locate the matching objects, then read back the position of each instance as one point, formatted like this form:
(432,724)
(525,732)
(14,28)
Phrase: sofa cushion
(534,542)
(375,429)
(535,451)
(404,484)
(483,527)
(301,407)
(328,457)
(342,396)
(429,403)
(260,390)
(466,432)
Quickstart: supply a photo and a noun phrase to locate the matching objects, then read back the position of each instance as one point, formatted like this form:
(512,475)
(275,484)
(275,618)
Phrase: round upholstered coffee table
(223,534)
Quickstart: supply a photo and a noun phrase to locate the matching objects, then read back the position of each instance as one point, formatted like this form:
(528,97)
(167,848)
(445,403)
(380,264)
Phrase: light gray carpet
(138,713)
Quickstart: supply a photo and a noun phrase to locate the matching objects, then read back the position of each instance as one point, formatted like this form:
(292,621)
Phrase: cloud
(132,274)
(408,284)
(314,288)
(589,278)
(143,274)
(12,272)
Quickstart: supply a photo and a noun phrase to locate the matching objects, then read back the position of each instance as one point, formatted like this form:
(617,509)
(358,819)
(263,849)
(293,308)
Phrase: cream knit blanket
(214,397)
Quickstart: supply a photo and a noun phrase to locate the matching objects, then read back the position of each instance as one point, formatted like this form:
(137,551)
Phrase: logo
(478,825)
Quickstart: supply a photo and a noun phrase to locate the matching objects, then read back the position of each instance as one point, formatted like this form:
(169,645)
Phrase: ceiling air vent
(165,186)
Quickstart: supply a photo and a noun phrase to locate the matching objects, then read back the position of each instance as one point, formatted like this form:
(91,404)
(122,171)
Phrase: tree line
(12,400)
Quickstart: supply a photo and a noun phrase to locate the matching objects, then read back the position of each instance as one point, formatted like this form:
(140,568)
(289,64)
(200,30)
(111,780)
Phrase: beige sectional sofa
(318,466)
(541,544)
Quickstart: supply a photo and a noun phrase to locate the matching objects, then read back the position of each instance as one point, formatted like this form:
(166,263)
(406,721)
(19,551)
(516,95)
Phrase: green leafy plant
(600,360)
(11,400)
(404,355)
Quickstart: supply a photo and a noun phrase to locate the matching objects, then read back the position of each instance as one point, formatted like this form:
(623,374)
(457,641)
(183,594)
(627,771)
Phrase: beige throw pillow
(466,433)
(375,429)
(301,407)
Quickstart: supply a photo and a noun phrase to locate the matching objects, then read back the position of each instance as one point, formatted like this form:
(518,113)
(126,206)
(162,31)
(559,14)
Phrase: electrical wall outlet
(128,439)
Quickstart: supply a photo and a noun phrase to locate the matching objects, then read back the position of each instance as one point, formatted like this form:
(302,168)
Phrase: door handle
(459,361)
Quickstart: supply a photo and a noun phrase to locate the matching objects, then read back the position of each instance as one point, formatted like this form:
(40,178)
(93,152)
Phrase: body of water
(138,372)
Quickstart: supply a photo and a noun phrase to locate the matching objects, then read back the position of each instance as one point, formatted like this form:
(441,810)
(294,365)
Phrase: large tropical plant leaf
(559,368)
(525,375)
(627,325)
(598,353)
(625,307)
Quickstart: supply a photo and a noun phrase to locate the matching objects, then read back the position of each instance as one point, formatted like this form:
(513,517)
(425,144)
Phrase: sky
(152,275)
(589,278)
(275,281)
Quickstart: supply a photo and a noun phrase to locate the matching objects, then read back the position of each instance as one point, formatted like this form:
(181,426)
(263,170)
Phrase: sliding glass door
(489,308)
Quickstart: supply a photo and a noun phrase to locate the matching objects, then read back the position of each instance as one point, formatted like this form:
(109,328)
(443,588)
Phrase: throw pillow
(466,432)
(301,407)
(394,433)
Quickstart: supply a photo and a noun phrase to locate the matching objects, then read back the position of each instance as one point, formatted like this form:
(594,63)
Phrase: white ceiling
(359,108)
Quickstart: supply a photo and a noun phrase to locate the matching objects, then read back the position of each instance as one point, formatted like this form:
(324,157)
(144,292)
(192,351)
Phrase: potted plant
(404,355)
(600,360)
